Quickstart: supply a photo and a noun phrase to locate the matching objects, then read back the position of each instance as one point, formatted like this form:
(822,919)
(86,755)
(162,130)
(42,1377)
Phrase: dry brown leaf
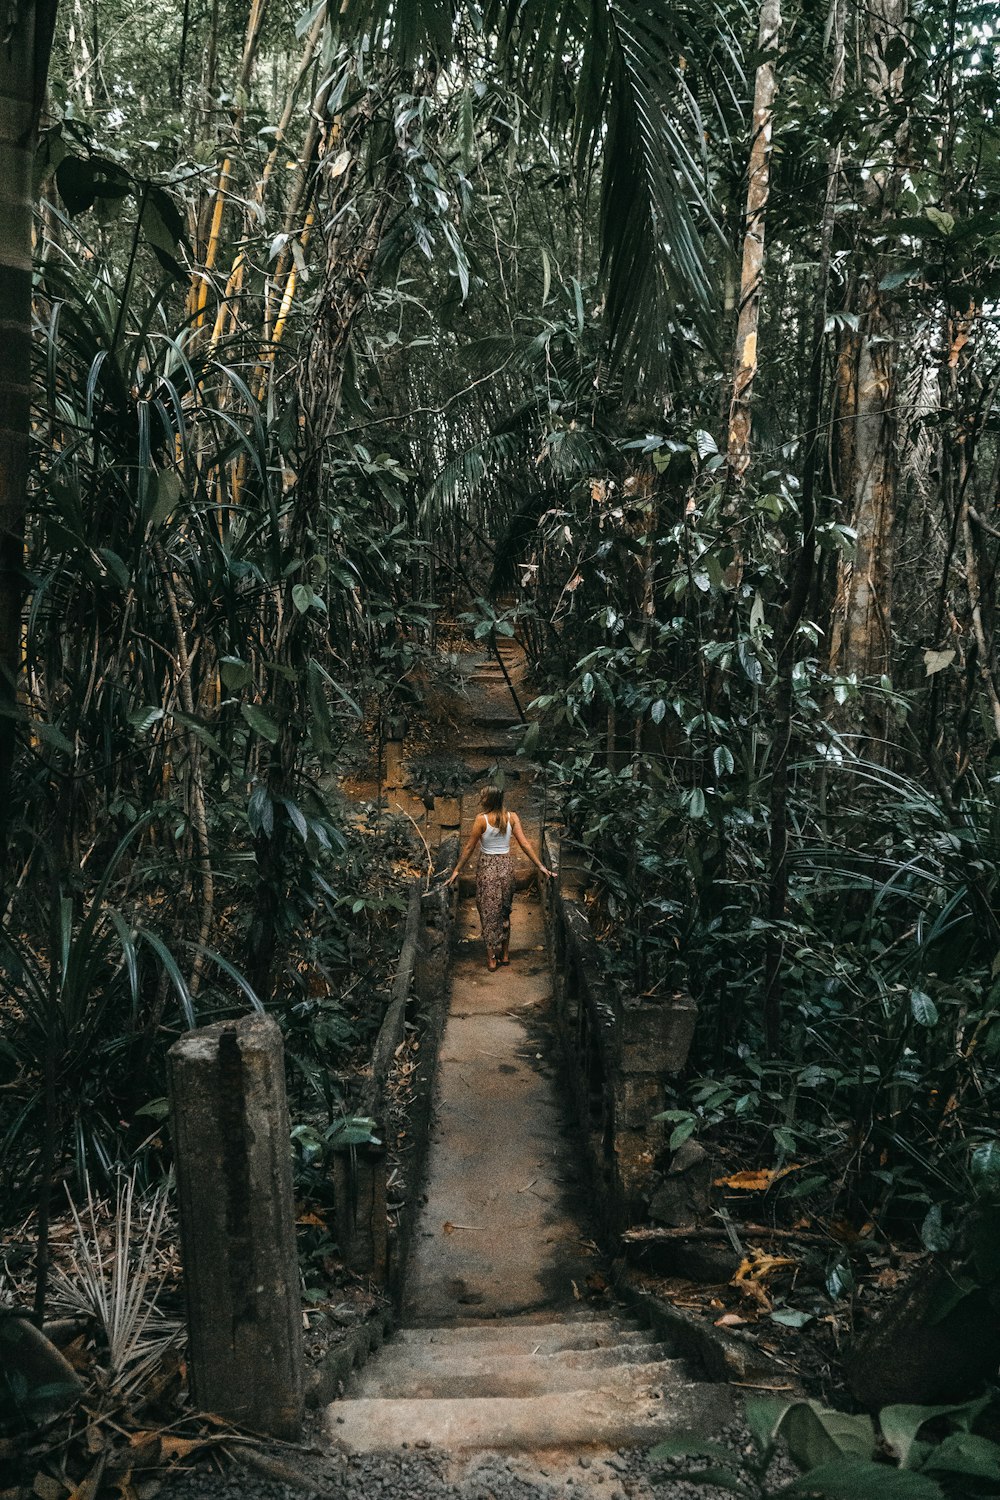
(311,1219)
(756,1182)
(729,1320)
(88,1487)
(757,1265)
(76,1352)
(47,1488)
(145,1450)
(180,1447)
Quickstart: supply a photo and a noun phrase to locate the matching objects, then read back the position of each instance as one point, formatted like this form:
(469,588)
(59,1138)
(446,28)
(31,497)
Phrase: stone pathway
(500,1351)
(507,1380)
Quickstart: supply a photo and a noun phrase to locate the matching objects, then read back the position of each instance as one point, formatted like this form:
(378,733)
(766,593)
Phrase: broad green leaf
(692,1445)
(658,710)
(50,734)
(924,1011)
(984,1163)
(259,722)
(965,1453)
(943,222)
(764,1415)
(165,494)
(115,566)
(297,818)
(933,1233)
(817,1435)
(901,1423)
(75,180)
(792,1317)
(854,1479)
(235,672)
(722,758)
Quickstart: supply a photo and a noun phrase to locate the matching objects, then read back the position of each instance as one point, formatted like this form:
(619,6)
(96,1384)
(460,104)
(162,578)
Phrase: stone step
(511,1336)
(521,1375)
(460,1360)
(583,1418)
(500,722)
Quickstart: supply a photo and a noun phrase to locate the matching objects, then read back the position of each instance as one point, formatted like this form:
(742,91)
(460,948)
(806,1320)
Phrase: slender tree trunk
(25,44)
(861,633)
(352,247)
(801,568)
(752,278)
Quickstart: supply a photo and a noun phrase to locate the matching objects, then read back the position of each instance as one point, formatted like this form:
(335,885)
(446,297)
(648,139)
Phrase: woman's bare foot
(491,964)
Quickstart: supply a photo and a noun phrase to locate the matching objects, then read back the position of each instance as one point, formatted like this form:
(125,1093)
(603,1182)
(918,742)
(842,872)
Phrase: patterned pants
(495,896)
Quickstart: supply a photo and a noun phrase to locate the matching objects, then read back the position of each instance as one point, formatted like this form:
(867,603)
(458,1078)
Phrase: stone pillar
(395,733)
(654,1038)
(393,766)
(447,817)
(237,1221)
(359,1195)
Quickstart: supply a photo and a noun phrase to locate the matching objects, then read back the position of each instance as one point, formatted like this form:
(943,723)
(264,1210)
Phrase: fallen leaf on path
(47,1488)
(730,1320)
(756,1182)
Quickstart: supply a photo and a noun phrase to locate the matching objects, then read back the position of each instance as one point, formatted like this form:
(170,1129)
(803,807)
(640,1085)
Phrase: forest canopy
(663,338)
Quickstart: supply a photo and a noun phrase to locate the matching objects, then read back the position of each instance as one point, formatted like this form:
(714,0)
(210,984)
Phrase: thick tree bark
(861,631)
(25,45)
(752,277)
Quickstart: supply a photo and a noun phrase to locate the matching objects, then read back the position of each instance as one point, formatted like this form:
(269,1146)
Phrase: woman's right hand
(451,879)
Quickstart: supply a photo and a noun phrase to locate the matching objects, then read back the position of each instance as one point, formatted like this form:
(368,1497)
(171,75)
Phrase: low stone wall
(618,1050)
(419,996)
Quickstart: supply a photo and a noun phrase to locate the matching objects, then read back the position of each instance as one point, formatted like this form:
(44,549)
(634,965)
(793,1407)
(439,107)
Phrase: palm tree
(24,60)
(640,89)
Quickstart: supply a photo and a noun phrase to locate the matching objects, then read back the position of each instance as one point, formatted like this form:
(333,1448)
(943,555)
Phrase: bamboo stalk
(752,278)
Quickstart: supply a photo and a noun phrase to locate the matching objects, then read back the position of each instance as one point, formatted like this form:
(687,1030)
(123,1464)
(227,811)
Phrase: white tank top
(496,840)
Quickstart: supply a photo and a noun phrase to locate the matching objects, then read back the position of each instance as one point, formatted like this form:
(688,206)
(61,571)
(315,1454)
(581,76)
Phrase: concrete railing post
(237,1222)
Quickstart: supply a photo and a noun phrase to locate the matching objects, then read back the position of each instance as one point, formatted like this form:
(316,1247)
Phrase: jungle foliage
(341,323)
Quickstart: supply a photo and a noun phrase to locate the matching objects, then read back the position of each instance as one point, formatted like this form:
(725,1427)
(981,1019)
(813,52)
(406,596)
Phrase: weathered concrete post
(395,734)
(237,1222)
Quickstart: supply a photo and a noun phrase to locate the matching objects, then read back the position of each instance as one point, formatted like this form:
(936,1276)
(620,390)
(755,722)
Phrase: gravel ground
(308,1475)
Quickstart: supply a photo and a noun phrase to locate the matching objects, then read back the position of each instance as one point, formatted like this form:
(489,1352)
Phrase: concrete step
(499,723)
(462,1361)
(543,1375)
(602,1416)
(510,1336)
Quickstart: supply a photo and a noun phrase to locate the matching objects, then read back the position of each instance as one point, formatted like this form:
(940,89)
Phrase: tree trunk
(752,278)
(24,60)
(861,632)
(801,566)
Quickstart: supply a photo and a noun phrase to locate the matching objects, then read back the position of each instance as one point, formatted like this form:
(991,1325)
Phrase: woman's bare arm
(478,829)
(515,823)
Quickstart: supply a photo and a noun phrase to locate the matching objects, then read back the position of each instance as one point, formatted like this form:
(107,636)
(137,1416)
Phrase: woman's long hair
(491,801)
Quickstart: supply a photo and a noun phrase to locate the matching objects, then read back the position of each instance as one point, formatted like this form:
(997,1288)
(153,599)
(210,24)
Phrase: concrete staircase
(576,1383)
(491,710)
